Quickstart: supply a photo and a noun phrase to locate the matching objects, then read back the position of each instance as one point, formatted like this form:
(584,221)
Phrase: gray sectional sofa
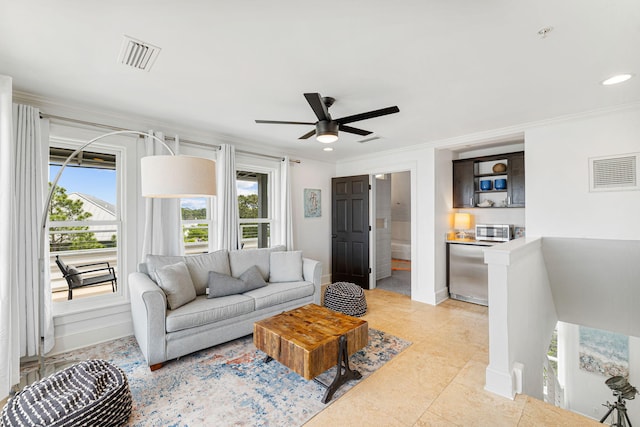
(182,304)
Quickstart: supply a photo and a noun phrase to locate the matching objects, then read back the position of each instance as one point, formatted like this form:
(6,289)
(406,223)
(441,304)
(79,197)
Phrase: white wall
(313,235)
(522,316)
(557,166)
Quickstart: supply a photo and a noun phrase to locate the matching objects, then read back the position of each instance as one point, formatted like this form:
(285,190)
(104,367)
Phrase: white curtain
(162,227)
(31,149)
(286,221)
(228,224)
(9,324)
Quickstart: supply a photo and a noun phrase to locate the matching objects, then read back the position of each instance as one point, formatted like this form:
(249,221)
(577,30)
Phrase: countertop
(470,241)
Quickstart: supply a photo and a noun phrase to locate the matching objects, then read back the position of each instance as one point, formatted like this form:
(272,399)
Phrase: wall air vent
(137,54)
(614,173)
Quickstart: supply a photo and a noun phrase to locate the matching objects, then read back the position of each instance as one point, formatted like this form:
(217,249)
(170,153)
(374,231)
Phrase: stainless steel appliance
(468,274)
(494,232)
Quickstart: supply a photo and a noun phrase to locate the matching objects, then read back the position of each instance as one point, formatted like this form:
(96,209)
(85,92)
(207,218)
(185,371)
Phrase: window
(255,211)
(197,224)
(84,221)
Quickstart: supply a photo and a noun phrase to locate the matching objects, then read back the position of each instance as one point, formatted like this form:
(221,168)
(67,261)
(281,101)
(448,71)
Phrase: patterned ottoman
(347,298)
(89,393)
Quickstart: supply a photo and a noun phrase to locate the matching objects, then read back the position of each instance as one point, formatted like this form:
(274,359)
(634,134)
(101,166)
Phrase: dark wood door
(350,230)
(463,184)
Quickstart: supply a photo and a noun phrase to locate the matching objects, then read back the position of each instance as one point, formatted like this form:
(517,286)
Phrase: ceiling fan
(326,128)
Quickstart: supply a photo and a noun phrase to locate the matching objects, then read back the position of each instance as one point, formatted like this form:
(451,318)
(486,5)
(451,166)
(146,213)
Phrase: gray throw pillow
(221,285)
(76,279)
(176,283)
(285,267)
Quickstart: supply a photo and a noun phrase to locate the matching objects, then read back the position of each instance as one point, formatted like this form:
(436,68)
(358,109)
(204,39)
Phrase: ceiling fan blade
(355,130)
(368,115)
(276,122)
(308,134)
(318,106)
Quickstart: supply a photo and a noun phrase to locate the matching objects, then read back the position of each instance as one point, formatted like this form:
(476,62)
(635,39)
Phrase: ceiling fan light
(327,131)
(327,138)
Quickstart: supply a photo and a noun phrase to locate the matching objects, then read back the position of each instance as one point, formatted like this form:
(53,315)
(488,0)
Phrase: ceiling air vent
(614,173)
(364,141)
(137,54)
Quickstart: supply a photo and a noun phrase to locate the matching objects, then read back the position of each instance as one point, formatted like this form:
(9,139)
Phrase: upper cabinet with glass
(489,181)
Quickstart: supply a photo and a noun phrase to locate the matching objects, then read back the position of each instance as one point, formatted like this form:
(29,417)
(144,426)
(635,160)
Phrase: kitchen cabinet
(463,184)
(467,174)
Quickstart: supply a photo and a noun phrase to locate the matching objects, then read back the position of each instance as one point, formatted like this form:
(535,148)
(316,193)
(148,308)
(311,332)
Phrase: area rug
(229,384)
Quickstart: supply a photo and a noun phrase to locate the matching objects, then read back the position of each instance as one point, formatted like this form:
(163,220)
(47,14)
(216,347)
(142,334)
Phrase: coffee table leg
(341,377)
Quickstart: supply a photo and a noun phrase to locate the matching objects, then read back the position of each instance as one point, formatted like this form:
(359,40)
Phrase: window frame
(271,168)
(119,149)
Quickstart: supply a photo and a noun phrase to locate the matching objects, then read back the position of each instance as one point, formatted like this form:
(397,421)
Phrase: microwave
(494,232)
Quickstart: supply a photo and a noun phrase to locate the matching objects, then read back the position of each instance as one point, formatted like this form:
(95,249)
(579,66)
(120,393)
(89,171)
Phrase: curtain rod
(186,141)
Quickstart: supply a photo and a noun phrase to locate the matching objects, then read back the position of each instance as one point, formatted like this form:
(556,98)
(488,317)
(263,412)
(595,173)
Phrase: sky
(101,183)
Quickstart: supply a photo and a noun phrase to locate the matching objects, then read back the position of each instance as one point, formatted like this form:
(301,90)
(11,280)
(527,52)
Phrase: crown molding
(508,134)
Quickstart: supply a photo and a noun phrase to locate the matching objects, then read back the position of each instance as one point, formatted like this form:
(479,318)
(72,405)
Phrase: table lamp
(461,222)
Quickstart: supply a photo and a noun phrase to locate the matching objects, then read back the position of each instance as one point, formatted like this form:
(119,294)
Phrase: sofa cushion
(153,262)
(285,266)
(175,281)
(200,265)
(240,260)
(278,293)
(203,311)
(221,285)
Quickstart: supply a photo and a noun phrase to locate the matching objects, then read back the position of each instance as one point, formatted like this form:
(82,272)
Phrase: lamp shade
(462,221)
(177,176)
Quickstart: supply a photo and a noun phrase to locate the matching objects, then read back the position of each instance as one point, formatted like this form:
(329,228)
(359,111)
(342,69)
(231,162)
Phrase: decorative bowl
(499,167)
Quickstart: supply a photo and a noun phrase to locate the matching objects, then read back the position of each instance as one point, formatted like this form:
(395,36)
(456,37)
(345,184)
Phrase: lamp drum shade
(462,221)
(177,176)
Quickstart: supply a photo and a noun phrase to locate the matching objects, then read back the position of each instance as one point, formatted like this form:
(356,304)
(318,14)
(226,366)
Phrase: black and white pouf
(89,393)
(347,298)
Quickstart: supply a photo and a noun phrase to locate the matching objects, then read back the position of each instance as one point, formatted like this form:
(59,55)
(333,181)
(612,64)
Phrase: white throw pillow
(175,281)
(285,267)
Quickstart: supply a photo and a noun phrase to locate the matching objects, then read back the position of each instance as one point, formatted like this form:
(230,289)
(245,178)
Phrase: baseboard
(92,336)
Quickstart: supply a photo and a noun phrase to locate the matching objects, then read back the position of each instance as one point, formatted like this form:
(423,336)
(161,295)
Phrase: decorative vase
(485,184)
(500,184)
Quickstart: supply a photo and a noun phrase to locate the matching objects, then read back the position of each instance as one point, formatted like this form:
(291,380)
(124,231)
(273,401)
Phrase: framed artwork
(602,352)
(312,205)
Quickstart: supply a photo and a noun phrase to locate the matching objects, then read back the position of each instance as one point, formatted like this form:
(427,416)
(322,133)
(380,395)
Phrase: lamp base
(461,234)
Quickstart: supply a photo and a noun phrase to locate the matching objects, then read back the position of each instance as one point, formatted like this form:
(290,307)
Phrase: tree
(69,238)
(189,213)
(199,233)
(248,206)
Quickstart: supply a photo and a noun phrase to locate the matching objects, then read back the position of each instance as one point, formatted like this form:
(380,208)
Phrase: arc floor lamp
(161,176)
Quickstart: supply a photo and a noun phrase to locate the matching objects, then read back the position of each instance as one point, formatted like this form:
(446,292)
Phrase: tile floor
(439,380)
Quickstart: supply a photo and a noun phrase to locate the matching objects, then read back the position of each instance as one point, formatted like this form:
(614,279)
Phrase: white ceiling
(453,67)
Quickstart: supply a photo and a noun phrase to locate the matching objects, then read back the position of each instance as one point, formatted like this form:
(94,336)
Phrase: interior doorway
(393,232)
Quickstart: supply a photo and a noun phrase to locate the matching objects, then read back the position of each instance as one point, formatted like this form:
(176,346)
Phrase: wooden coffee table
(311,339)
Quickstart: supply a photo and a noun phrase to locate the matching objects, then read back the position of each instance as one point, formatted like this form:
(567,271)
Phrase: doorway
(393,232)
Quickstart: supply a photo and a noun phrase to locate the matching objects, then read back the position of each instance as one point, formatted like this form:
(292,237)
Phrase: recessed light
(327,149)
(618,78)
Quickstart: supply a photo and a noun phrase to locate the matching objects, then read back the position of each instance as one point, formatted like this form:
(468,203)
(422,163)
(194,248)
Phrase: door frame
(372,220)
